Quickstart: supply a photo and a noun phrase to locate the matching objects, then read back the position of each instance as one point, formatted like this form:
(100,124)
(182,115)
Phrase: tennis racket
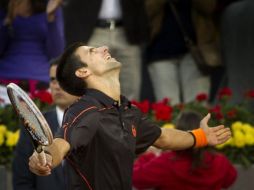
(33,120)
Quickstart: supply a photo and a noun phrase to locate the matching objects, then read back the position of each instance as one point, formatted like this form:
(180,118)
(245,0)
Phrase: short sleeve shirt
(104,138)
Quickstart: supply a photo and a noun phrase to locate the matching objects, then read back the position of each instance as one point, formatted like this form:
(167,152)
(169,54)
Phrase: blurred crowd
(157,42)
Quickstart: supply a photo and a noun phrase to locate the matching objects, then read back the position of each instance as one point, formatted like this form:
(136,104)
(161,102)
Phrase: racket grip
(42,158)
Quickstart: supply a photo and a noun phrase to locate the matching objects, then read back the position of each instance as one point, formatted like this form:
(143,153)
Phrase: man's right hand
(36,167)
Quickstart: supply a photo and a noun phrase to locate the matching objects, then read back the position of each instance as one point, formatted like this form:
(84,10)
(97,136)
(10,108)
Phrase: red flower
(225,92)
(232,113)
(219,116)
(217,112)
(216,109)
(162,111)
(165,101)
(44,96)
(144,106)
(250,94)
(201,97)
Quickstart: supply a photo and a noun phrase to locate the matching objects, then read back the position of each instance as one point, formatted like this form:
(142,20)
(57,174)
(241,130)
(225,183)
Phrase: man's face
(60,97)
(98,60)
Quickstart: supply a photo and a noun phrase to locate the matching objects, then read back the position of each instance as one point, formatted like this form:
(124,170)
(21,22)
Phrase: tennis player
(103,132)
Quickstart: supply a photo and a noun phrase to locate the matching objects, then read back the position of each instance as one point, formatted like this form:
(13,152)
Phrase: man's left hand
(215,135)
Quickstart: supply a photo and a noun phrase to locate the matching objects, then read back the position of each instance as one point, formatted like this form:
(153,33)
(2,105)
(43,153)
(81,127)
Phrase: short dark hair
(54,61)
(68,64)
(188,120)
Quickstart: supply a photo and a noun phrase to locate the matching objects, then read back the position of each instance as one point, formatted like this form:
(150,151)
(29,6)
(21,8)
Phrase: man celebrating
(103,132)
(23,179)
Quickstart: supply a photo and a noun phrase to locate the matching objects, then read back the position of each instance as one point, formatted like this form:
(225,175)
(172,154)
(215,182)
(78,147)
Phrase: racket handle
(42,158)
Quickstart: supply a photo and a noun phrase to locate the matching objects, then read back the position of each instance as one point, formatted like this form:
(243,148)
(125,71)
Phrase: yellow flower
(1,139)
(236,125)
(239,138)
(168,125)
(3,129)
(248,129)
(249,139)
(2,134)
(229,142)
(221,146)
(12,138)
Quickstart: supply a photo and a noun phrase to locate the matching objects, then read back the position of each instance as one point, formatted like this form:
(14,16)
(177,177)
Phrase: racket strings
(33,120)
(30,121)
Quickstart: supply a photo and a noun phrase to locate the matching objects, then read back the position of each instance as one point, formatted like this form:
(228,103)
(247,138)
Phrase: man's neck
(113,92)
(109,86)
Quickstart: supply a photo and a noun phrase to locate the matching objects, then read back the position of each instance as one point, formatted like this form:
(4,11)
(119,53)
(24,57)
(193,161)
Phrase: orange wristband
(200,138)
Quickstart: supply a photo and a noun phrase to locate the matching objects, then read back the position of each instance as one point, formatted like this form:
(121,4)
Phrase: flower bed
(240,148)
(9,125)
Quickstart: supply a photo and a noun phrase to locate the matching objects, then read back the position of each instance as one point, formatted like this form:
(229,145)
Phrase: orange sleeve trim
(81,175)
(92,107)
(200,138)
(66,128)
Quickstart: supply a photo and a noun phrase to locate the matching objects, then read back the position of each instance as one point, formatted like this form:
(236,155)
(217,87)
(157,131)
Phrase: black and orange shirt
(104,138)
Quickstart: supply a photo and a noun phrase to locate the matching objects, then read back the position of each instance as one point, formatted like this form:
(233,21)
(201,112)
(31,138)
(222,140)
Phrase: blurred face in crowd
(60,97)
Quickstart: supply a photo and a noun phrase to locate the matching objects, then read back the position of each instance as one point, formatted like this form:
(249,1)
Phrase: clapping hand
(15,7)
(51,8)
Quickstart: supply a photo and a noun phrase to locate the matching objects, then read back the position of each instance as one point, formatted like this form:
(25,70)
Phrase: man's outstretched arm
(174,139)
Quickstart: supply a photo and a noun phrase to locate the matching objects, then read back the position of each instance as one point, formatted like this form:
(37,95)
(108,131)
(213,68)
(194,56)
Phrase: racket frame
(38,146)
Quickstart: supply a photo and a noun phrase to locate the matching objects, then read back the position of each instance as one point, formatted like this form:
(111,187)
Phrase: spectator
(23,179)
(237,27)
(173,72)
(191,169)
(29,38)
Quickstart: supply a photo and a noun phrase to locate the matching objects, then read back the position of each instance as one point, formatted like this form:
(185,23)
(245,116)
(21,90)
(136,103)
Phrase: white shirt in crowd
(110,9)
(59,113)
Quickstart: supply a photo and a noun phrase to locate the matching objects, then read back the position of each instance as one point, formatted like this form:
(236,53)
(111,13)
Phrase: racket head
(33,120)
